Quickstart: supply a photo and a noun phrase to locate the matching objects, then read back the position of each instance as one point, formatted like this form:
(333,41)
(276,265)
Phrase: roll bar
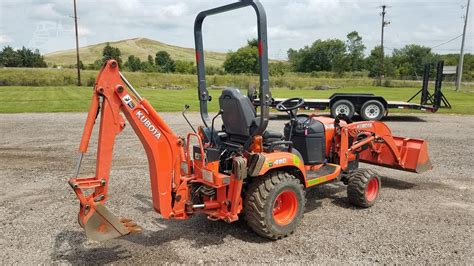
(264,92)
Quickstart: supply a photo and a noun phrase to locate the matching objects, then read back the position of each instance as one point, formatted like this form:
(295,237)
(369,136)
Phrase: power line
(446,42)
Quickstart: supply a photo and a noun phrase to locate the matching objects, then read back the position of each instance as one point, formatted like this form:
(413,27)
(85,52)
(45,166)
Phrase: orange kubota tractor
(243,168)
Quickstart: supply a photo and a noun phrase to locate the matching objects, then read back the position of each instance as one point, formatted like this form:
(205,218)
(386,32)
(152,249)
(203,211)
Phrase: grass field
(43,77)
(18,99)
(53,90)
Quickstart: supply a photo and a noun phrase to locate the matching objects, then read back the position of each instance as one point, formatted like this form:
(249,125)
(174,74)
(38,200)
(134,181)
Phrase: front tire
(364,188)
(274,204)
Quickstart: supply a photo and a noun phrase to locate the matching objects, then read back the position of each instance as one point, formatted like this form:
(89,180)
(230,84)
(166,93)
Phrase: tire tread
(358,180)
(256,197)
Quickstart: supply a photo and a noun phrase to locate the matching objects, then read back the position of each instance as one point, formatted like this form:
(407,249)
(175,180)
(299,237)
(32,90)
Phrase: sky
(48,25)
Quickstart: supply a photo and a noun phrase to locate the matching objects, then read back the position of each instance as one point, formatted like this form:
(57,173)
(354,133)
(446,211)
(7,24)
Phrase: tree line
(243,61)
(338,56)
(330,55)
(342,56)
(23,57)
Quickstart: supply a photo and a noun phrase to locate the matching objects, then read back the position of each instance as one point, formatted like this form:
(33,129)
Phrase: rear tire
(364,188)
(372,110)
(343,107)
(274,204)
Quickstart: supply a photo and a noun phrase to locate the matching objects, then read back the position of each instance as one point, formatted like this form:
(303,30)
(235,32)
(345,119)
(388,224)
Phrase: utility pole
(77,47)
(384,24)
(461,56)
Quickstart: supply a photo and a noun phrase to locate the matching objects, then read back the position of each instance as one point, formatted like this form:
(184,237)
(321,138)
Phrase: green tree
(133,64)
(150,60)
(244,60)
(185,67)
(149,65)
(9,57)
(252,42)
(81,65)
(215,70)
(31,58)
(110,52)
(96,65)
(355,51)
(164,62)
(322,55)
(411,59)
(374,64)
(277,69)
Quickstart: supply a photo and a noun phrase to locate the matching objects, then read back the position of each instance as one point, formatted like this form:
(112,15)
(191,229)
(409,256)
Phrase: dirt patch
(425,218)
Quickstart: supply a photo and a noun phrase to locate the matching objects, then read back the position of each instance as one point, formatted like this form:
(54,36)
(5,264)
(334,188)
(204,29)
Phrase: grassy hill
(141,47)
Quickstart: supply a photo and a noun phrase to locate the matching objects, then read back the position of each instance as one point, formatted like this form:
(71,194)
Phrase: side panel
(329,129)
(282,159)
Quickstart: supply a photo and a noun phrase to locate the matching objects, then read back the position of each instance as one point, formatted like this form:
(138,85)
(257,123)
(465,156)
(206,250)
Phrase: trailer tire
(274,204)
(364,187)
(343,107)
(372,110)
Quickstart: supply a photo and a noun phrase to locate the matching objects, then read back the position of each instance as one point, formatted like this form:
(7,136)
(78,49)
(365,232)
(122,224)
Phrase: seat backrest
(238,112)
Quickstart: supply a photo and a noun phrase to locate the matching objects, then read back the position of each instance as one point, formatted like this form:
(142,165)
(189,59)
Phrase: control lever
(212,125)
(186,107)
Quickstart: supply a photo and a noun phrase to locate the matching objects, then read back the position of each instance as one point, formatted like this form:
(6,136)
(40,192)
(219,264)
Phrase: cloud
(45,12)
(291,23)
(83,31)
(174,10)
(128,4)
(310,13)
(430,32)
(282,33)
(4,39)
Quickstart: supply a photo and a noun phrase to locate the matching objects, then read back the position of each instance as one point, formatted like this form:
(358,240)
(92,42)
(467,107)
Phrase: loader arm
(164,150)
(384,149)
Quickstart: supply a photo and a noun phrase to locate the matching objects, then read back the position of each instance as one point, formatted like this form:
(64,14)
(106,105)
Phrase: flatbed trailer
(373,107)
(368,106)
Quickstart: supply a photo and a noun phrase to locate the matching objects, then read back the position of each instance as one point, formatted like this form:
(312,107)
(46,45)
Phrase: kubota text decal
(152,128)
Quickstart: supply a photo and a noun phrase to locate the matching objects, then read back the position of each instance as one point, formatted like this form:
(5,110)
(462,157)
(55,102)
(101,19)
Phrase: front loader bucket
(413,155)
(101,225)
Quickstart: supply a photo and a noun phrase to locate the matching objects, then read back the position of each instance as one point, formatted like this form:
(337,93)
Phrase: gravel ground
(425,218)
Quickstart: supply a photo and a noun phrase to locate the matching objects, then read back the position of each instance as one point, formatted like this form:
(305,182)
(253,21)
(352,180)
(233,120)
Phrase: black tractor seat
(240,119)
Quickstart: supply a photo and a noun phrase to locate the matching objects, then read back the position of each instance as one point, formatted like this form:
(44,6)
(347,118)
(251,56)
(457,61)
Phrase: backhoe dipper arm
(163,147)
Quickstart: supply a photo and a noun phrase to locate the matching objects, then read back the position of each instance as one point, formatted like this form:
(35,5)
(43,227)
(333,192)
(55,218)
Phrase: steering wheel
(283,106)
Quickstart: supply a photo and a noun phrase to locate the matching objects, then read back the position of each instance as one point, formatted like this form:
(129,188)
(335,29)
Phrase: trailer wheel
(364,187)
(343,107)
(274,204)
(372,110)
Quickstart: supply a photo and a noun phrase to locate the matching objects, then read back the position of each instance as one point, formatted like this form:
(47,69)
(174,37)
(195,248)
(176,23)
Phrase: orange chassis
(173,169)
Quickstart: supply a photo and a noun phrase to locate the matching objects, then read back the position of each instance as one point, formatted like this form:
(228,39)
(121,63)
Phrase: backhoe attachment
(110,102)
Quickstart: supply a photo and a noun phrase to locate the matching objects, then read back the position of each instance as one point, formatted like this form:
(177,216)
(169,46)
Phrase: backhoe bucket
(101,225)
(413,155)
